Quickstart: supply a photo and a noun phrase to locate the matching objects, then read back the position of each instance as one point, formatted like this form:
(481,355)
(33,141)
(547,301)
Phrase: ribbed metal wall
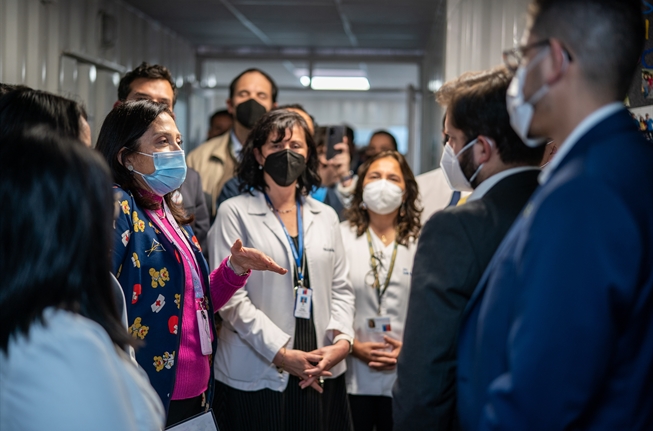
(34,34)
(479,30)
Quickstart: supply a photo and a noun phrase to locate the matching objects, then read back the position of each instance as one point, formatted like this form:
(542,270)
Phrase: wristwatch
(347,338)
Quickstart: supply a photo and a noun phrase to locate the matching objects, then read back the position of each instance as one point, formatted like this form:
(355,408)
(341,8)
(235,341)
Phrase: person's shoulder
(209,146)
(347,230)
(192,175)
(429,176)
(238,204)
(68,336)
(452,219)
(324,210)
(120,193)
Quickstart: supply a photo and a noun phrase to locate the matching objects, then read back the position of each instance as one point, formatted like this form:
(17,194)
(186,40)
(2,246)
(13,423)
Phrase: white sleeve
(70,379)
(342,292)
(252,325)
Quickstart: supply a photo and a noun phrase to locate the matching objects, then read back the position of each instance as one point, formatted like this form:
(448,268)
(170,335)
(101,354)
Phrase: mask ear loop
(478,170)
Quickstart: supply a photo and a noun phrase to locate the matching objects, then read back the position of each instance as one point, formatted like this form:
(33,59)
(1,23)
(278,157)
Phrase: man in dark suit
(559,332)
(457,243)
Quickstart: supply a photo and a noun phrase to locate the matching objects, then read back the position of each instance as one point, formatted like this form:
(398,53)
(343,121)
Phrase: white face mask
(520,109)
(453,173)
(382,197)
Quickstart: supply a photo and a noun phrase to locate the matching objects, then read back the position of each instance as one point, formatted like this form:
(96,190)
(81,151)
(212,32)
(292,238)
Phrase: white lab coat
(258,319)
(361,379)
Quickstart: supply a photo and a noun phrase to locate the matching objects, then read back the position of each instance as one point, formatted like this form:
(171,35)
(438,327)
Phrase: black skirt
(294,409)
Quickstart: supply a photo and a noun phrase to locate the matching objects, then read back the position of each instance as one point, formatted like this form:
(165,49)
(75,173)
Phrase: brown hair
(408,224)
(476,104)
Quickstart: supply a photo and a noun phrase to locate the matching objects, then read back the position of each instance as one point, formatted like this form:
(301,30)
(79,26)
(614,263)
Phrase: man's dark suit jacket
(558,335)
(195,204)
(454,248)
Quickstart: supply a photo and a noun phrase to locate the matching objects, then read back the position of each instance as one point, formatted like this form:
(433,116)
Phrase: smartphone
(334,135)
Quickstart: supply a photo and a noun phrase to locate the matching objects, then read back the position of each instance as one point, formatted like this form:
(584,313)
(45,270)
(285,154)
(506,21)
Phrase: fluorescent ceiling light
(356,83)
(305,81)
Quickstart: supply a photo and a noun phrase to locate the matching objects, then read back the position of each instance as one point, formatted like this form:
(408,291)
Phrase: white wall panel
(479,30)
(34,33)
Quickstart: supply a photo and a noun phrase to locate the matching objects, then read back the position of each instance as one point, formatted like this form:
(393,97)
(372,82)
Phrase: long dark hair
(275,123)
(56,237)
(24,108)
(408,221)
(123,128)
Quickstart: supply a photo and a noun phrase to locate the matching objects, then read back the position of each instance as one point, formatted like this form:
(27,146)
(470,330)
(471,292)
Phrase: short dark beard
(467,165)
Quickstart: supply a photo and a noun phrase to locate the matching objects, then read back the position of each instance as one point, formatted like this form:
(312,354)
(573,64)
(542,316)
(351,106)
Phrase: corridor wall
(79,48)
(479,30)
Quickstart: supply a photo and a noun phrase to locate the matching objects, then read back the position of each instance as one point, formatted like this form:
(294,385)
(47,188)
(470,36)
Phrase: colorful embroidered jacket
(152,277)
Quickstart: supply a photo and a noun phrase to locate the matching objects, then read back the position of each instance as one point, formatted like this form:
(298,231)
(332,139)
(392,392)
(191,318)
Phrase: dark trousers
(371,412)
(180,410)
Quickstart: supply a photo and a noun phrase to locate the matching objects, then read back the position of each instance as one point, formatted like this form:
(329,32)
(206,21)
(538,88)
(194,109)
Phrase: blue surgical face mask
(169,171)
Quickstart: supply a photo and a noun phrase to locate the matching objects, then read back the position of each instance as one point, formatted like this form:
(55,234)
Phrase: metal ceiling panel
(374,24)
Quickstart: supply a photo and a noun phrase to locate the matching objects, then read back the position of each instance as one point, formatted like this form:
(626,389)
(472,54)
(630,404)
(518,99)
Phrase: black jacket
(195,204)
(454,248)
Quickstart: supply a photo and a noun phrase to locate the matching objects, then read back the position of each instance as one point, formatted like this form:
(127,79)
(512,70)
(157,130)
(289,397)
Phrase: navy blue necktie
(455,197)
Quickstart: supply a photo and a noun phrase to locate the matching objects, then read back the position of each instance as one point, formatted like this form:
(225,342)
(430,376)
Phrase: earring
(130,168)
(362,206)
(260,167)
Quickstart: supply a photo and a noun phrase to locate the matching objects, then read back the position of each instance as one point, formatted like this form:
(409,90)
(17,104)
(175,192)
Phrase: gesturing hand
(383,360)
(243,259)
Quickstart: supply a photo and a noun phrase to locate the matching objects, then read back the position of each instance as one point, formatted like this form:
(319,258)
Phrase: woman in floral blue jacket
(171,296)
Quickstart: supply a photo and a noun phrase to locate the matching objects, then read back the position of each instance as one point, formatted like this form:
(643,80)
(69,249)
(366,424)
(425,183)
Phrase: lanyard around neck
(192,264)
(298,255)
(380,291)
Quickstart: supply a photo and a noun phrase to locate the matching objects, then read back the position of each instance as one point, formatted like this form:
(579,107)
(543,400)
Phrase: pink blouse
(192,376)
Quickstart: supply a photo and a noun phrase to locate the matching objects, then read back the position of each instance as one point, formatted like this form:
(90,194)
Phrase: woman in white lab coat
(380,241)
(280,360)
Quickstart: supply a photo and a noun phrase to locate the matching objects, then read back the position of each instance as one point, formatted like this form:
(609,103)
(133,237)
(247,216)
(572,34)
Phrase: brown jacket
(215,164)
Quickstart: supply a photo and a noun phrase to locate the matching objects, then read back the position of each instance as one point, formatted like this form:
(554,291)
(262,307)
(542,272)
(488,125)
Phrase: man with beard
(483,155)
(251,95)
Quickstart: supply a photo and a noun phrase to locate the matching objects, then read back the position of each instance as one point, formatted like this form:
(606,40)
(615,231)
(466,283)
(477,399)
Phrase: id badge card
(303,303)
(205,331)
(379,324)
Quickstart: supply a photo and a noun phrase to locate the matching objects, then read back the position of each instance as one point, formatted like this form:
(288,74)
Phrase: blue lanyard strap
(298,255)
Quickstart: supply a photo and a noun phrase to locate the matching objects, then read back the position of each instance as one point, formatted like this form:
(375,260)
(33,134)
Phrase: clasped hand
(376,356)
(311,366)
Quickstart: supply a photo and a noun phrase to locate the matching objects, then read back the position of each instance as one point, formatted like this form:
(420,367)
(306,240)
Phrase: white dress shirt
(486,185)
(68,375)
(259,318)
(361,379)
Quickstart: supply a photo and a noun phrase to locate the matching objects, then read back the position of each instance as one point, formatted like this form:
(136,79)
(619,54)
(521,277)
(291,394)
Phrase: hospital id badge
(379,324)
(205,331)
(303,303)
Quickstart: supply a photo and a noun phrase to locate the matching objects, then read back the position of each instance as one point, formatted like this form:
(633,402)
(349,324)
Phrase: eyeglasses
(514,57)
